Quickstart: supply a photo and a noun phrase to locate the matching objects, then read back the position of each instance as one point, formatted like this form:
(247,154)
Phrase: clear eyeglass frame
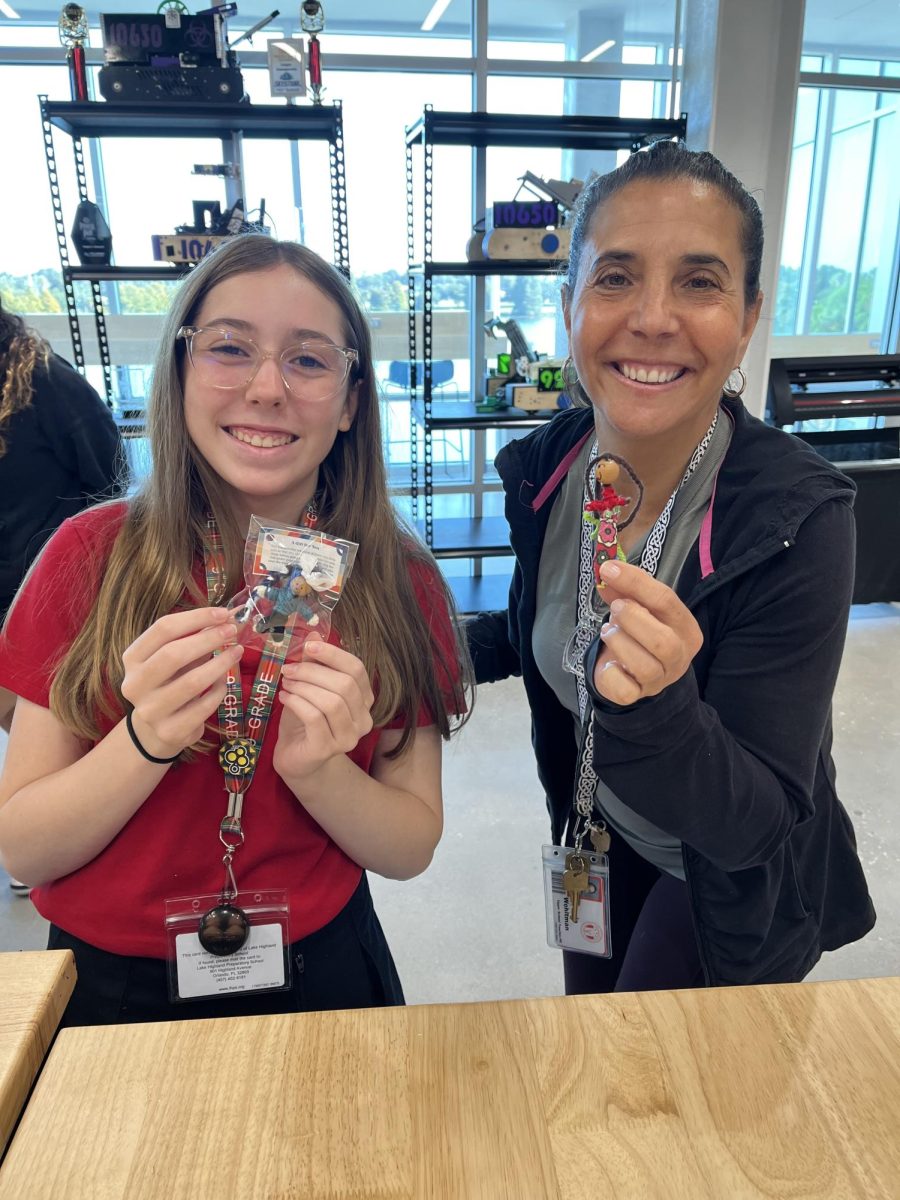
(349,357)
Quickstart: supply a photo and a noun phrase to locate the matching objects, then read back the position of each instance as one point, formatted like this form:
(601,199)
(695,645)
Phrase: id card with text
(586,932)
(262,964)
(257,966)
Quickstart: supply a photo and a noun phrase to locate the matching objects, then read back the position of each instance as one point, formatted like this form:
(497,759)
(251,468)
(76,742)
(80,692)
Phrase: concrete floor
(472,927)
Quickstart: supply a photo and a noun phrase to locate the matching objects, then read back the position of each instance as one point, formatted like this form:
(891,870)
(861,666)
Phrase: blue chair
(441,374)
(447,445)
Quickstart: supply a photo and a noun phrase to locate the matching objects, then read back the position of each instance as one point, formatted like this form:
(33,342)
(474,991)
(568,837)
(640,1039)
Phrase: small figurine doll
(281,595)
(604,513)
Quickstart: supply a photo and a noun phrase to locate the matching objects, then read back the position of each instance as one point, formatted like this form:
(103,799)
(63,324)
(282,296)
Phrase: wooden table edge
(29,1055)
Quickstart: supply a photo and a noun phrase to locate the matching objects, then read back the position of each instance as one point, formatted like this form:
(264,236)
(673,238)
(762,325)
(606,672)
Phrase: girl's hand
(327,702)
(650,640)
(172,681)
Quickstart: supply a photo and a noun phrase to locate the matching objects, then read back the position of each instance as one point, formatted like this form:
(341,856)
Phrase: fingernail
(616,607)
(313,647)
(608,630)
(610,570)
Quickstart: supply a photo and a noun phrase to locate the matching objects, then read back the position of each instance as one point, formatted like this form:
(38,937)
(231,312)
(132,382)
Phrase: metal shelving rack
(481,537)
(231,123)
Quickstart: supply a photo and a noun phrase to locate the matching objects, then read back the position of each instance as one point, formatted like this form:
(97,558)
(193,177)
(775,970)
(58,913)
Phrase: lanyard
(241,735)
(224,929)
(586,782)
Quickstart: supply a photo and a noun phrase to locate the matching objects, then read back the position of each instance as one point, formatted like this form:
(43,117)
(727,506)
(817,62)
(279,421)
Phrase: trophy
(312,21)
(73,33)
(91,236)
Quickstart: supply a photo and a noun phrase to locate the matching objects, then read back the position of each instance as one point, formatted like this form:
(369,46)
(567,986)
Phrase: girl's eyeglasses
(311,370)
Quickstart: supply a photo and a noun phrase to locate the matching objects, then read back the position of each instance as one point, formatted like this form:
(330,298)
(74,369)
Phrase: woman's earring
(732,391)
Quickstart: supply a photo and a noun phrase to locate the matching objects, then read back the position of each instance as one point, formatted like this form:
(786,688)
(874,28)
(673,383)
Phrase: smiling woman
(111,802)
(722,600)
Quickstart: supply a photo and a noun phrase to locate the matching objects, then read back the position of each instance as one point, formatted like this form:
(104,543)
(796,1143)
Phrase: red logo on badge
(591,932)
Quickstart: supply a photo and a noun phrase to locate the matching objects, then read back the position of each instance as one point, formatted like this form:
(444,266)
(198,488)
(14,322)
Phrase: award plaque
(91,236)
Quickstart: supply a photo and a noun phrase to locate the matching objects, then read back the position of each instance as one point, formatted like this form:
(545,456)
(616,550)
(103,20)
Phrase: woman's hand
(650,640)
(327,701)
(171,680)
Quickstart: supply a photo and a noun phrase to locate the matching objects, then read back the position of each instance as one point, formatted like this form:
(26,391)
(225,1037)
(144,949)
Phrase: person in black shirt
(60,451)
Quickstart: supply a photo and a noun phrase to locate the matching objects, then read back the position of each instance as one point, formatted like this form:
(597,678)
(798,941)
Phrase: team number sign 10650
(529,214)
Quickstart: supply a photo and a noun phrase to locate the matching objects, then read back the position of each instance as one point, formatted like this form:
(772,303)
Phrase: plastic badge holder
(294,579)
(590,934)
(261,965)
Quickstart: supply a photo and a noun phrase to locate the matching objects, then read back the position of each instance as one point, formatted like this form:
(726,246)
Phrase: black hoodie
(63,452)
(734,759)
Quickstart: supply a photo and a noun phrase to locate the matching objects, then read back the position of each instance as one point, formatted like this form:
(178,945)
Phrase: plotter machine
(814,397)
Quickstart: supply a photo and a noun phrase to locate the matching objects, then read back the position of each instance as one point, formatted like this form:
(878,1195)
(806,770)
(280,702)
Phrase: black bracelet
(137,745)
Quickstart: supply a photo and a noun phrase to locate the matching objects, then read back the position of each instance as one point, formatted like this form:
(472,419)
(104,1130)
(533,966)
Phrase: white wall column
(741,70)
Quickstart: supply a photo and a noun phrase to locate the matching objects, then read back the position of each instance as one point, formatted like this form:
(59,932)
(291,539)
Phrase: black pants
(652,933)
(346,964)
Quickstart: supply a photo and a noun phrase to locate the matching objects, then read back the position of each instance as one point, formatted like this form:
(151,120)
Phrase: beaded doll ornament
(603,515)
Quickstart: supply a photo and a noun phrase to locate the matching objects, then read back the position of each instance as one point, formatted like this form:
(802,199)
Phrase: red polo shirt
(170,847)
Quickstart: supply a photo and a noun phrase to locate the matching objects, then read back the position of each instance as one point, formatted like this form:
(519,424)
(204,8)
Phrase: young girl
(112,799)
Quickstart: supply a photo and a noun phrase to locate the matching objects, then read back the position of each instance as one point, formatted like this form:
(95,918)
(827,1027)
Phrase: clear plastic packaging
(294,577)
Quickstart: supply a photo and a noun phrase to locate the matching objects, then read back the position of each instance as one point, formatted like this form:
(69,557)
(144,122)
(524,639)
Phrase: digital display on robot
(136,38)
(550,379)
(525,214)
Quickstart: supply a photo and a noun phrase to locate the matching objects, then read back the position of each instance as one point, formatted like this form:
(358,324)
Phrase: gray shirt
(557,600)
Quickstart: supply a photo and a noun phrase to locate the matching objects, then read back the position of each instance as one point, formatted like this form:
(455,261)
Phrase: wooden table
(789,1091)
(35,987)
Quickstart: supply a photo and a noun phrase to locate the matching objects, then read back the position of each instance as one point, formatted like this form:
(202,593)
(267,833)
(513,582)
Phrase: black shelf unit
(481,537)
(229,122)
(461,414)
(520,129)
(497,266)
(127,274)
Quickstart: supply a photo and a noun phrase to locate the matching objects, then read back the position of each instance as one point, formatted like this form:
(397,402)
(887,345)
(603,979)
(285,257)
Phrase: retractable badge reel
(224,928)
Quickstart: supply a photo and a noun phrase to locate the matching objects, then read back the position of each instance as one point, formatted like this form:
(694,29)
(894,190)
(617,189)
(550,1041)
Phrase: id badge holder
(589,931)
(252,941)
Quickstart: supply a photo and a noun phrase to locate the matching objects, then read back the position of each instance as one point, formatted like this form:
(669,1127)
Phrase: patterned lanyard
(586,784)
(241,737)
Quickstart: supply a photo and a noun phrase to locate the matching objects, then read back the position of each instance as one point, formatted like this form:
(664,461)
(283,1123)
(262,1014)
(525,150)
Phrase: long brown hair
(22,351)
(151,563)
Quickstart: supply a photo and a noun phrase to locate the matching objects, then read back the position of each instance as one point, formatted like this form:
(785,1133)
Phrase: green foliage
(863,320)
(524,296)
(41,292)
(787,293)
(146,296)
(829,310)
(528,295)
(386,292)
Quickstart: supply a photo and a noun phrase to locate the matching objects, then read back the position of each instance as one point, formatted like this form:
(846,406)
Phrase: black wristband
(140,749)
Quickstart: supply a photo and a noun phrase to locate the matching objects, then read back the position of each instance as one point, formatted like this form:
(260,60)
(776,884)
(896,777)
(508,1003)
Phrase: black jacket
(62,451)
(734,759)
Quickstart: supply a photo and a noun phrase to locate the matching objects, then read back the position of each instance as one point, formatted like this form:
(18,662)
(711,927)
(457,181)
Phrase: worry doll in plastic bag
(294,576)
(280,595)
